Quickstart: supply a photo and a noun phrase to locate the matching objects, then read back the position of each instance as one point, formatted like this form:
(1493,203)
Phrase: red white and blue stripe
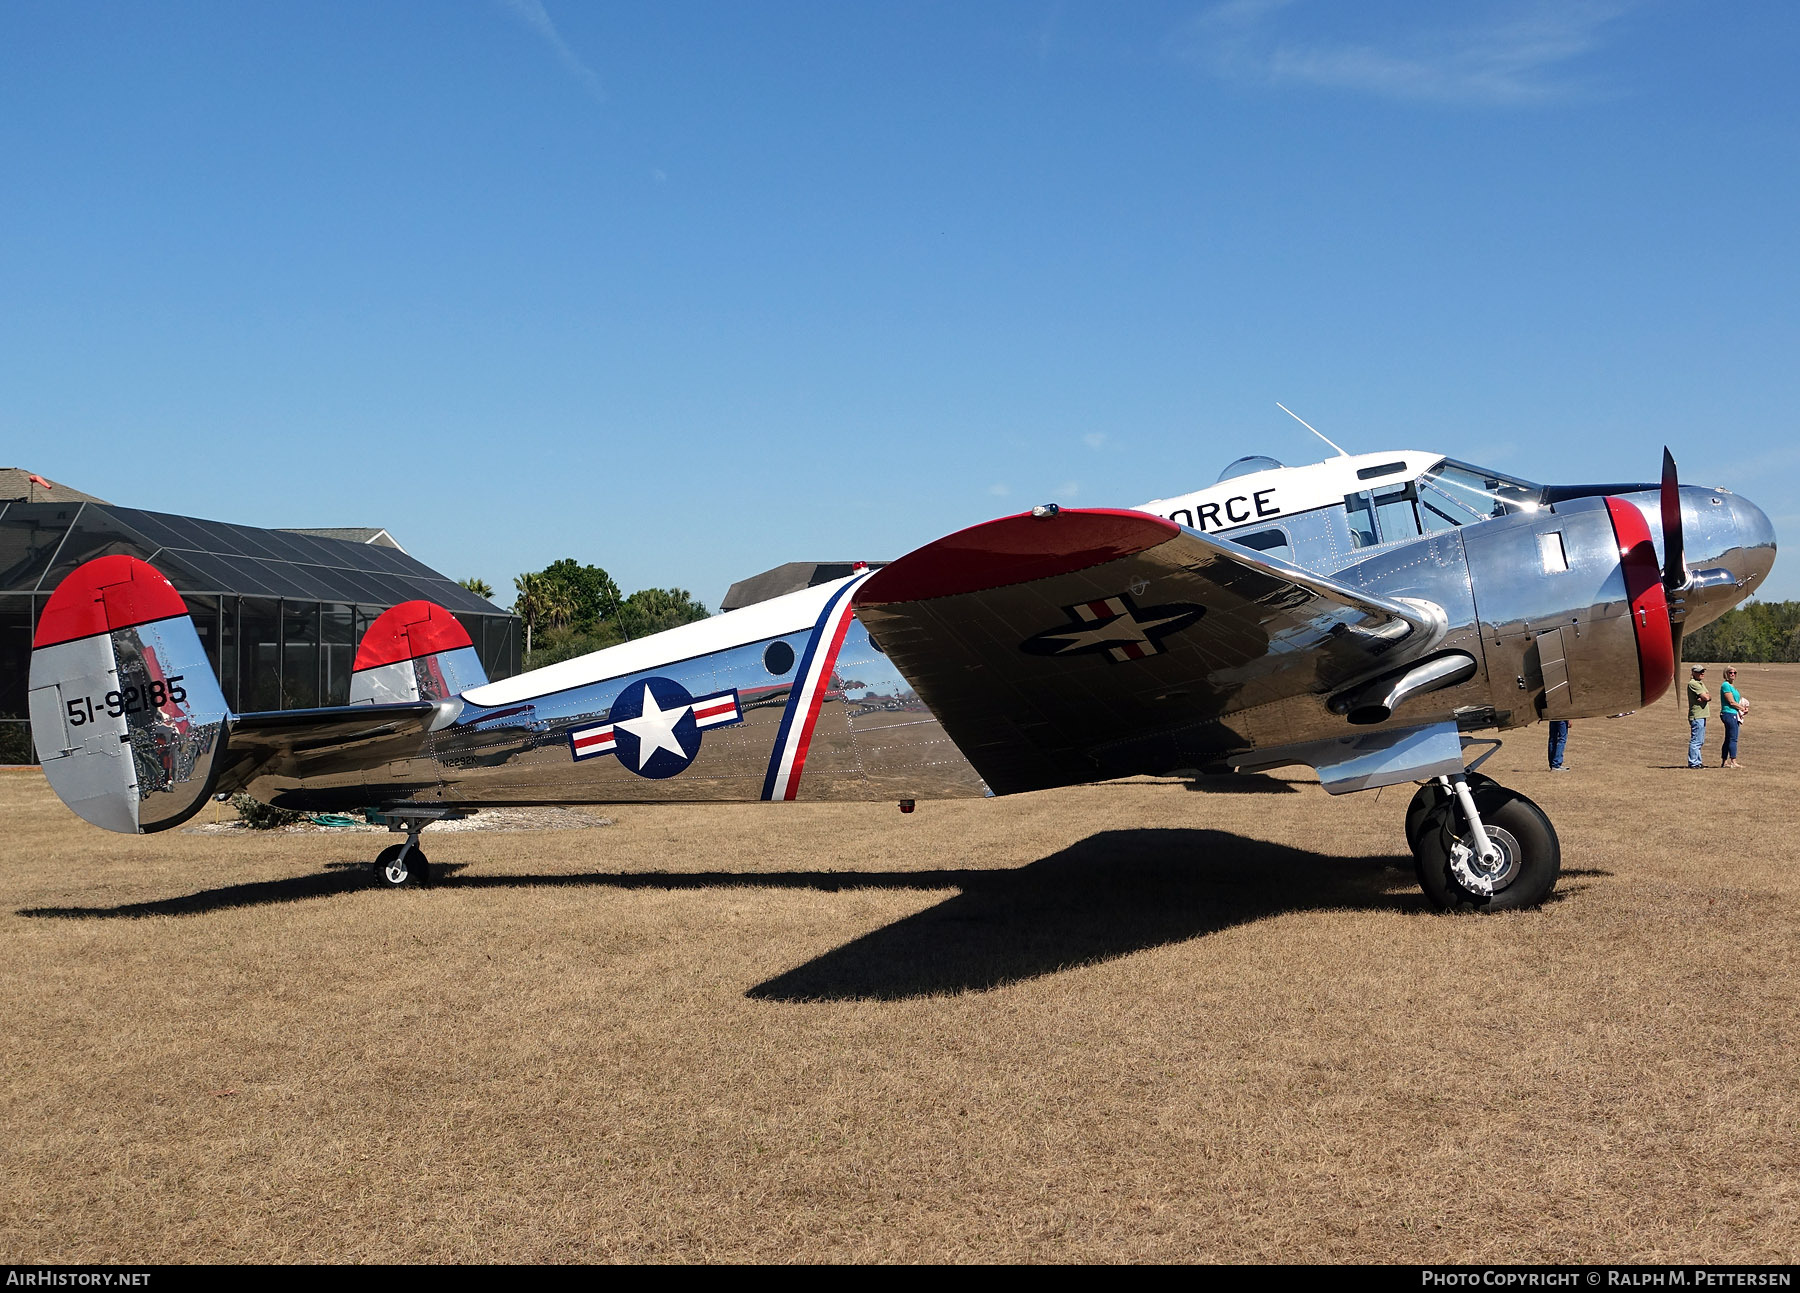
(812,683)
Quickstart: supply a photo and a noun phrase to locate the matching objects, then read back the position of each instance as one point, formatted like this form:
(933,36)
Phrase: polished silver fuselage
(1536,598)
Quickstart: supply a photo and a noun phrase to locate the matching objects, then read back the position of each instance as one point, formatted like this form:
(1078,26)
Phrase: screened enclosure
(280,612)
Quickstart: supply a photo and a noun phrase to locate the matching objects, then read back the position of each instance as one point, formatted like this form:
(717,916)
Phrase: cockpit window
(1395,513)
(1454,493)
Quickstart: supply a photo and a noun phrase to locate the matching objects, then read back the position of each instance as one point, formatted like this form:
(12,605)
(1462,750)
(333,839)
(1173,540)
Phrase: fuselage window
(1361,517)
(1273,543)
(1385,469)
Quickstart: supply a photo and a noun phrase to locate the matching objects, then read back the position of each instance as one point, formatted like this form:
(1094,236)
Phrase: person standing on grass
(1559,741)
(1698,699)
(1732,707)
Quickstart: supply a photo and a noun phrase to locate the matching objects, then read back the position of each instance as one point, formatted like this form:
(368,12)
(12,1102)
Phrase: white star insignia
(655,729)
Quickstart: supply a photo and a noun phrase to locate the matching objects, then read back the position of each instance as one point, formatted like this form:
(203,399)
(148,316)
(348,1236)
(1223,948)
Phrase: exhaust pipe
(1375,701)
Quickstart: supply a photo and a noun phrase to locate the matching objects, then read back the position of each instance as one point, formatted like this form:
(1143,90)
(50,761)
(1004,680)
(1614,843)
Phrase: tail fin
(414,651)
(127,715)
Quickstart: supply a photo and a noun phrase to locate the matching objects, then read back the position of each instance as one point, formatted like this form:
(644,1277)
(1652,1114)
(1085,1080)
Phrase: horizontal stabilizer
(301,743)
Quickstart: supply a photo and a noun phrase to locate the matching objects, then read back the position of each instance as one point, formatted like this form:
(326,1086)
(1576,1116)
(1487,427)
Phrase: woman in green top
(1731,708)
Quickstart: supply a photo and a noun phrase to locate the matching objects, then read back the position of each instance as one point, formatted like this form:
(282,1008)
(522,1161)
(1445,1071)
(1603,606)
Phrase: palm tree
(560,603)
(542,600)
(530,604)
(480,587)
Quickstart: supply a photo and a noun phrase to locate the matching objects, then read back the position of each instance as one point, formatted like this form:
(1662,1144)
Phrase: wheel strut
(1484,850)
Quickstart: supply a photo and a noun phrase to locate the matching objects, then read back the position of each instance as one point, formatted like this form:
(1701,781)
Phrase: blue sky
(689,290)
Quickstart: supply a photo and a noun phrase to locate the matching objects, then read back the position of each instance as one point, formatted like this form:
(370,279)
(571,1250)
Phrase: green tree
(590,592)
(557,644)
(651,610)
(480,587)
(1754,633)
(542,603)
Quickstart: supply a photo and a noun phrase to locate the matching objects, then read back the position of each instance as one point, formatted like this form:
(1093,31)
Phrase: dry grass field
(1126,1022)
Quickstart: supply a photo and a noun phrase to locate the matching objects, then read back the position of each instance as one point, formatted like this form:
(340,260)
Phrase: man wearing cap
(1698,699)
(1732,707)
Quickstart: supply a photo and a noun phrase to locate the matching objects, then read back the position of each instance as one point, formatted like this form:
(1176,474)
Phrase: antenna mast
(1310,427)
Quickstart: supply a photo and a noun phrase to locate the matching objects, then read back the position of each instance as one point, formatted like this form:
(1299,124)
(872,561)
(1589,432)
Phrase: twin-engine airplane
(1361,616)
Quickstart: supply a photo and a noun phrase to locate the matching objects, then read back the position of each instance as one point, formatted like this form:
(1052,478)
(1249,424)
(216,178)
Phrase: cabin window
(1271,543)
(1361,516)
(1395,512)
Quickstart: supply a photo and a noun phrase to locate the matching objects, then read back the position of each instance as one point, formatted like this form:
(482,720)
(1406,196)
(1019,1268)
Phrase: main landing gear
(1480,846)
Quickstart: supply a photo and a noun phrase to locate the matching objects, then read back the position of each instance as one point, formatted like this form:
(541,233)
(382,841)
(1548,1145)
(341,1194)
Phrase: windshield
(1455,493)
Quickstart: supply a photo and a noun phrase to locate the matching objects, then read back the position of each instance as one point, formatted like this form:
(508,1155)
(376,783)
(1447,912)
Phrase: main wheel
(1430,797)
(1529,862)
(397,867)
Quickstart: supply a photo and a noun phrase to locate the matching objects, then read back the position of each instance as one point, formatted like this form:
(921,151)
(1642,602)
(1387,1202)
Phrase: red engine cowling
(1649,604)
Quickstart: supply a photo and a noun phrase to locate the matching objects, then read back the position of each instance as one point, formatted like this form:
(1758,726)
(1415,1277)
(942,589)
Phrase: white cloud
(1067,491)
(1000,489)
(1094,440)
(1516,54)
(533,14)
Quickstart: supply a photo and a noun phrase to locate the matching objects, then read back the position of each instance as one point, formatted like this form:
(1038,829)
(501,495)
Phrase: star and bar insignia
(655,728)
(1116,626)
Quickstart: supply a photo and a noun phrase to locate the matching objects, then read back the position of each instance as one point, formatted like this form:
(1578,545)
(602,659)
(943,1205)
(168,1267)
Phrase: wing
(1082,645)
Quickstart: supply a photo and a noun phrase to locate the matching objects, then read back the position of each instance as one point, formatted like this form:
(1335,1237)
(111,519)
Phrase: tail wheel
(398,867)
(1524,873)
(1430,798)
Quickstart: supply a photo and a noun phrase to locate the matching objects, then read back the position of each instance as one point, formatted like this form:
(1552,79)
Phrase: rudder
(414,651)
(127,716)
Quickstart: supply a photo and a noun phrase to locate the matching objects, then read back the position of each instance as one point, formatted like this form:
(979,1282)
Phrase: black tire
(1430,797)
(1517,825)
(393,871)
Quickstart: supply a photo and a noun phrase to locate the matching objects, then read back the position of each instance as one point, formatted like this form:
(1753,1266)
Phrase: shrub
(15,743)
(259,816)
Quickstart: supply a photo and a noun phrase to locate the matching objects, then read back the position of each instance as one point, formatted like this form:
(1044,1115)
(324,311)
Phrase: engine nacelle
(1574,621)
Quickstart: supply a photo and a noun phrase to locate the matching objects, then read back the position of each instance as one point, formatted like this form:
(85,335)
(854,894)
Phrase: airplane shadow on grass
(1107,896)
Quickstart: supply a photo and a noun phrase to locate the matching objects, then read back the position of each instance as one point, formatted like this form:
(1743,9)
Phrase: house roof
(25,486)
(789,578)
(351,534)
(42,542)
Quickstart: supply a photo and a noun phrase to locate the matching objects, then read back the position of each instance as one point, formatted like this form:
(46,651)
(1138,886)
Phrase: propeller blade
(1674,572)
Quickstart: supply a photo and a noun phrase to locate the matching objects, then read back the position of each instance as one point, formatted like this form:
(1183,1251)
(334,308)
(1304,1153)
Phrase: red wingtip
(1013,550)
(406,632)
(104,594)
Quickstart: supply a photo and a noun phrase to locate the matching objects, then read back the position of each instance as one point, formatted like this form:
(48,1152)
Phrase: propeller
(1674,571)
(1674,567)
